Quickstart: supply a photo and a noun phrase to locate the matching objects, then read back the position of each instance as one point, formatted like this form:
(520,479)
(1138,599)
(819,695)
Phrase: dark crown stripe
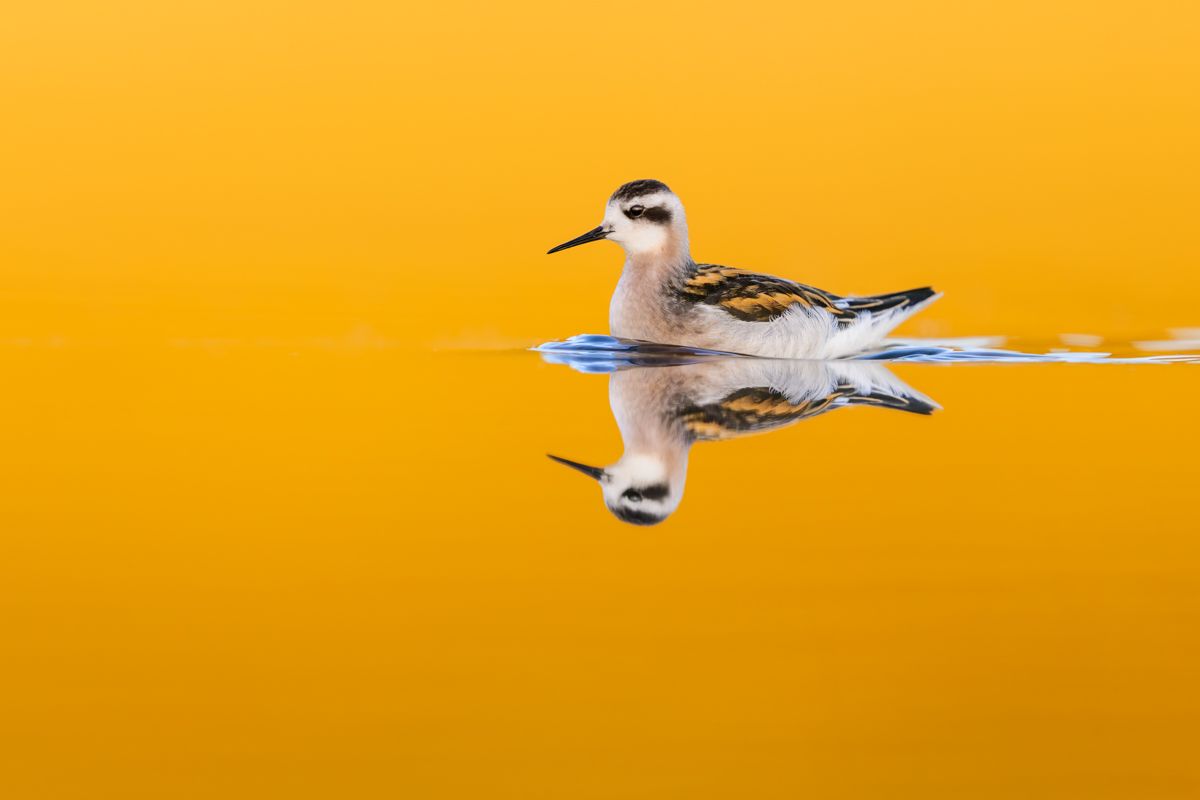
(638,188)
(635,516)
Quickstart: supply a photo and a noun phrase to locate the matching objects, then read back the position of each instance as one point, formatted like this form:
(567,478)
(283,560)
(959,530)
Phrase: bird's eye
(632,495)
(636,211)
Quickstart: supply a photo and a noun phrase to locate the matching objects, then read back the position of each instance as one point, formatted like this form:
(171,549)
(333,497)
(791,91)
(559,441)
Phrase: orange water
(263,572)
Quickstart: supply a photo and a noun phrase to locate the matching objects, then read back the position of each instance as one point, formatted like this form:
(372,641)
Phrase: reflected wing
(758,409)
(753,410)
(752,297)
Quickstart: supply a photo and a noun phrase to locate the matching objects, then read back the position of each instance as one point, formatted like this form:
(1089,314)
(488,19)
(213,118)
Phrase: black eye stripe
(657,491)
(656,214)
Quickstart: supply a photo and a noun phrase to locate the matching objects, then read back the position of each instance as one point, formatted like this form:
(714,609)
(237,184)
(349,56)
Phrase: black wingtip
(917,296)
(923,294)
(909,404)
(915,405)
(908,299)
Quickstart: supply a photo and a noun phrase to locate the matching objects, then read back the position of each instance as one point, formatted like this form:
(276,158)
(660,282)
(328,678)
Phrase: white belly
(795,334)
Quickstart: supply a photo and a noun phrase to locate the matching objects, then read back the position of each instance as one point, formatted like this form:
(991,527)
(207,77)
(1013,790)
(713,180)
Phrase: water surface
(355,566)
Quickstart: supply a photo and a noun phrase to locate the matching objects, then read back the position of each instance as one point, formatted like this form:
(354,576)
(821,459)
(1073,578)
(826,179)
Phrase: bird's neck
(638,399)
(672,254)
(639,308)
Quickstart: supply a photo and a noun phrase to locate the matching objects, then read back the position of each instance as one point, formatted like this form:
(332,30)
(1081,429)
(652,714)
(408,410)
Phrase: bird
(662,411)
(666,297)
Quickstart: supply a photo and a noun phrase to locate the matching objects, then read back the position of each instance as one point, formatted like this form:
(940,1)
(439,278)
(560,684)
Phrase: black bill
(594,235)
(595,473)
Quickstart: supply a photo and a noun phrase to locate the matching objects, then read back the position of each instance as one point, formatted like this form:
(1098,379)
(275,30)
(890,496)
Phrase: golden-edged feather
(755,409)
(753,297)
(752,410)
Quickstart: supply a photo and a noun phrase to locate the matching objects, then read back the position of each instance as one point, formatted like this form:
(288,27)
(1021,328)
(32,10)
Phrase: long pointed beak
(596,473)
(594,235)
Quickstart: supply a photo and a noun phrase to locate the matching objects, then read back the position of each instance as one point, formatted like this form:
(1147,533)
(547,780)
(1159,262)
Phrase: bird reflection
(662,411)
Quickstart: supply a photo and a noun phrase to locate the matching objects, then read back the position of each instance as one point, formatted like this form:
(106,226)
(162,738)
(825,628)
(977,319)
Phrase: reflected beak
(596,473)
(594,235)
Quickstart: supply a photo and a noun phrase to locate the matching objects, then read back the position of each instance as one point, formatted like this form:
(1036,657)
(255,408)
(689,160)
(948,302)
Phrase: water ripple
(599,353)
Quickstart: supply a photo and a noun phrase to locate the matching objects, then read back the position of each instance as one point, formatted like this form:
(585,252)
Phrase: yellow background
(267,531)
(229,169)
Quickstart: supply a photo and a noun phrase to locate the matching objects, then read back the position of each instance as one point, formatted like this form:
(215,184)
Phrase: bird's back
(748,312)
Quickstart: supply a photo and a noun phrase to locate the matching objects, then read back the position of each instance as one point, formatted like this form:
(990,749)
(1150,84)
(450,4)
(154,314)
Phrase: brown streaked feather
(753,410)
(753,297)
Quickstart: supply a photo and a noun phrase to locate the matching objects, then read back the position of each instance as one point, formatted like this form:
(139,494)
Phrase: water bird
(662,411)
(665,296)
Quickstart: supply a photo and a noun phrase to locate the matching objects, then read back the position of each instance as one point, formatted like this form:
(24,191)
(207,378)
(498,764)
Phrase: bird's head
(639,489)
(645,217)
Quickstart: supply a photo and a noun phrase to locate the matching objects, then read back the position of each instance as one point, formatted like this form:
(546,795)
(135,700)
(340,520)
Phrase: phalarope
(663,411)
(664,296)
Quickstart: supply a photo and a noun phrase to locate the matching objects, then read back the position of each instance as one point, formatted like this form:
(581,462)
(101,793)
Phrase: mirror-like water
(665,399)
(600,353)
(360,557)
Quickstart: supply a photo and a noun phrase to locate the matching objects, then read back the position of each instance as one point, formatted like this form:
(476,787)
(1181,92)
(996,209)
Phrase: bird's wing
(752,297)
(754,409)
(895,301)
